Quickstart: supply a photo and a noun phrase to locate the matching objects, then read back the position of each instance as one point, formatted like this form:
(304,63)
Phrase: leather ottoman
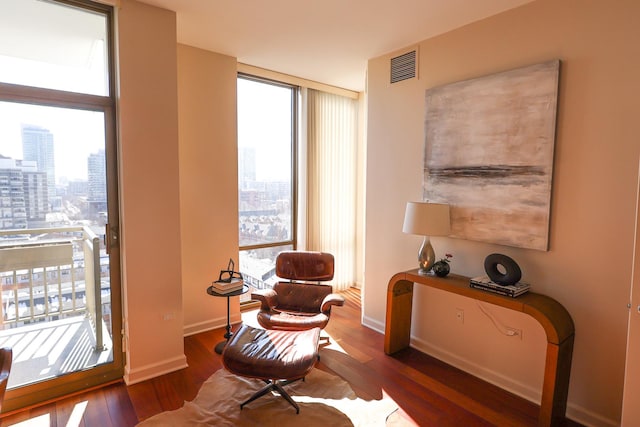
(277,357)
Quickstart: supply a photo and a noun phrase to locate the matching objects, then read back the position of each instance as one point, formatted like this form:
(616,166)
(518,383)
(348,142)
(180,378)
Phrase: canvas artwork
(489,145)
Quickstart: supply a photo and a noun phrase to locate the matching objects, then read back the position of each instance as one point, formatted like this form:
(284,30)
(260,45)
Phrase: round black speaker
(512,271)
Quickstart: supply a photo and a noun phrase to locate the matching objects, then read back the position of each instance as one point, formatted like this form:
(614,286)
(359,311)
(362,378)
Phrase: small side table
(211,291)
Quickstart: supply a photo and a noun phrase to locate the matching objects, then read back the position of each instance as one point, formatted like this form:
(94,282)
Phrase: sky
(76,134)
(79,133)
(261,109)
(49,46)
(63,48)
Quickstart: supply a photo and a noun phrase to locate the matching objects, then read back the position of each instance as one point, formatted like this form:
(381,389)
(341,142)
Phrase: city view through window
(53,211)
(59,154)
(266,114)
(58,194)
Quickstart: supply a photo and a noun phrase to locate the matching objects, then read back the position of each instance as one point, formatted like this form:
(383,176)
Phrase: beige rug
(324,400)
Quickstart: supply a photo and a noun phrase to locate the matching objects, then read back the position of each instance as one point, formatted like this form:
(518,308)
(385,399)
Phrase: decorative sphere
(441,268)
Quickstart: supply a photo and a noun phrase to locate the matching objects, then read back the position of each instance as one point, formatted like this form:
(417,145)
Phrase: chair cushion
(271,354)
(301,297)
(285,321)
(305,265)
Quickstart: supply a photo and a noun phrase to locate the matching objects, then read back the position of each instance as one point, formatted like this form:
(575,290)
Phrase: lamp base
(426,256)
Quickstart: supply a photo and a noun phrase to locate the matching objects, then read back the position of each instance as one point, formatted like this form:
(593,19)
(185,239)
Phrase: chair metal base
(273,385)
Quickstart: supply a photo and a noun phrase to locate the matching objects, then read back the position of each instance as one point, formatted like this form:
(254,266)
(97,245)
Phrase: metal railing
(51,273)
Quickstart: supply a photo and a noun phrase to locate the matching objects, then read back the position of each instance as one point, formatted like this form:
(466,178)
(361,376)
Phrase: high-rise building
(97,180)
(37,146)
(23,194)
(36,194)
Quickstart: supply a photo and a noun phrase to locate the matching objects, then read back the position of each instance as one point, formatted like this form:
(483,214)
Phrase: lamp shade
(427,219)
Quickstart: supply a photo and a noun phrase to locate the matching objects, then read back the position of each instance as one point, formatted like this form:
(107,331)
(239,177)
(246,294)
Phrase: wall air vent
(403,67)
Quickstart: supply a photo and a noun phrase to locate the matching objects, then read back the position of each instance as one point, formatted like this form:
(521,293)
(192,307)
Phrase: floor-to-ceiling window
(298,176)
(59,258)
(267,133)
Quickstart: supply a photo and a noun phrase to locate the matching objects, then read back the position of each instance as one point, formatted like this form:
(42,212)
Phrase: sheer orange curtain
(332,135)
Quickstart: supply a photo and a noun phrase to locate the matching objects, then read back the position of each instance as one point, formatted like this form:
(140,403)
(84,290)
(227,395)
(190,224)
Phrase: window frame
(292,242)
(295,118)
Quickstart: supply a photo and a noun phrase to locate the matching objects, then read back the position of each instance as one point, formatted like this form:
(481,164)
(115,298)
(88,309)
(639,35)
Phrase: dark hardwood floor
(429,392)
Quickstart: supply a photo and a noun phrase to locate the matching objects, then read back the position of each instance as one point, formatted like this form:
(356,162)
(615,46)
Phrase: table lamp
(426,219)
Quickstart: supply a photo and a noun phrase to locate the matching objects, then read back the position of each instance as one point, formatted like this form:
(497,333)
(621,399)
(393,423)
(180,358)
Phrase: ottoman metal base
(273,386)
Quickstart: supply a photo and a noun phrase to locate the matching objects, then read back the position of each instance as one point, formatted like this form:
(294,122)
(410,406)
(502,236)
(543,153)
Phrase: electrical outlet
(460,315)
(514,332)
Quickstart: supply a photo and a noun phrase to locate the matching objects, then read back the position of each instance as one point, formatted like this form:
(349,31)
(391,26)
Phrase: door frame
(631,392)
(29,395)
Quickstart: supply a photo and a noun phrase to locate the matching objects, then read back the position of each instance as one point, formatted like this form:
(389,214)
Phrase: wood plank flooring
(429,392)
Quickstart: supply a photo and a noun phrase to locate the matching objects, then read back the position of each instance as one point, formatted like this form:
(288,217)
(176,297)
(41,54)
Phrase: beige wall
(208,181)
(149,191)
(179,202)
(588,266)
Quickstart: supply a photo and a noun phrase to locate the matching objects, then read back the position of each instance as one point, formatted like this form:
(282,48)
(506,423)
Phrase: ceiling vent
(404,67)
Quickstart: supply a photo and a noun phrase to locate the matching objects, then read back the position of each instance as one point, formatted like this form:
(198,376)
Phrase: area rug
(324,400)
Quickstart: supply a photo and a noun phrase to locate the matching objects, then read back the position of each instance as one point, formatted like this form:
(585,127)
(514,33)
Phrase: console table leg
(555,388)
(398,318)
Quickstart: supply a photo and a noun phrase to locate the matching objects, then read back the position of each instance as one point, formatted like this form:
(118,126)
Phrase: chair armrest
(268,298)
(331,299)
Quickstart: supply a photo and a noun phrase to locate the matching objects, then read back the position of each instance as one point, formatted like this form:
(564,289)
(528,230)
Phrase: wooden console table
(552,316)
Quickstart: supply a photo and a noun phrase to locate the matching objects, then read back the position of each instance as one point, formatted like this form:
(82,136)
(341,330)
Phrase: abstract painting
(489,145)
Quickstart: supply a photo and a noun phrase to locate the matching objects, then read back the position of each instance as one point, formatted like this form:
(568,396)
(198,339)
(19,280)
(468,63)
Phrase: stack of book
(223,287)
(484,283)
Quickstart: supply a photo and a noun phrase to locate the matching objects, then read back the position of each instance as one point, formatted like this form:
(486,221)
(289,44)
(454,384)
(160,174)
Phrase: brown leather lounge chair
(299,304)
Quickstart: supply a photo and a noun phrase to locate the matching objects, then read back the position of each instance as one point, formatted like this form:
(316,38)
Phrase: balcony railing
(51,273)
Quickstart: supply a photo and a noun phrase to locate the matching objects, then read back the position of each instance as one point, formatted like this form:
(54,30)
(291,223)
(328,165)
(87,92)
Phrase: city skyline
(76,135)
(29,194)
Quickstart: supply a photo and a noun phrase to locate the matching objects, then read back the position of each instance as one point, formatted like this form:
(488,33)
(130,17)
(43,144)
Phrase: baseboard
(588,418)
(150,371)
(371,323)
(472,368)
(496,378)
(133,376)
(574,412)
(207,325)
